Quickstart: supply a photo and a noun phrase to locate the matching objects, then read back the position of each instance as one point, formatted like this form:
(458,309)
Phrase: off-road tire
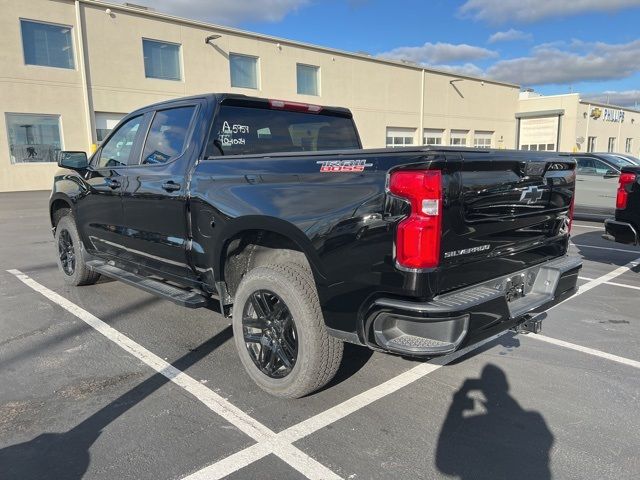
(82,275)
(319,354)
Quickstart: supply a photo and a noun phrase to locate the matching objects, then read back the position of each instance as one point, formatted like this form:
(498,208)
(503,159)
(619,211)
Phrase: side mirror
(73,160)
(611,174)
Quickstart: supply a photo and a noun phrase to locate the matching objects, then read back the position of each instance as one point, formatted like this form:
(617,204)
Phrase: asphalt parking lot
(107,381)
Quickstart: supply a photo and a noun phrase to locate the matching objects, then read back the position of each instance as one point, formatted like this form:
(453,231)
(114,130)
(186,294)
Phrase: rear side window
(592,166)
(167,135)
(246,131)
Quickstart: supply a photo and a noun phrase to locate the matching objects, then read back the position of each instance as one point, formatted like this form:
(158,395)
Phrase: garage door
(539,133)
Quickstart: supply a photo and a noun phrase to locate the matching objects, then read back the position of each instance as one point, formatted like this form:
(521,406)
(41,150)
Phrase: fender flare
(269,224)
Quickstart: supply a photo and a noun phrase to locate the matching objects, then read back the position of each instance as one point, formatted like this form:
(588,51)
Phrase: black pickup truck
(624,227)
(272,211)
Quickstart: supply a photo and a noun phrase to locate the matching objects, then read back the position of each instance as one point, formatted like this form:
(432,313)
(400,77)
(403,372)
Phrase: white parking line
(580,225)
(599,281)
(615,284)
(281,444)
(590,351)
(232,414)
(606,248)
(332,415)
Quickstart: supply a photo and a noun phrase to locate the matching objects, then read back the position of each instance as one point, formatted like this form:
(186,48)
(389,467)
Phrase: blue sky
(554,46)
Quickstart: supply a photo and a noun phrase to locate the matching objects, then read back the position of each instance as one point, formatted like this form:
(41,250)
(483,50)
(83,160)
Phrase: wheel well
(59,208)
(251,249)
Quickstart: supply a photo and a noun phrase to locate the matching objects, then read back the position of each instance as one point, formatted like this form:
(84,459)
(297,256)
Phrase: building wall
(37,90)
(578,123)
(604,128)
(381,94)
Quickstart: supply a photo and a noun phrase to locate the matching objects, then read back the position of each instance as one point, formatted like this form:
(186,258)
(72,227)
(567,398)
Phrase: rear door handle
(171,186)
(112,184)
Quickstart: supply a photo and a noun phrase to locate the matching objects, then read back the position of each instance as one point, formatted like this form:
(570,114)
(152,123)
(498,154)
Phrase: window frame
(180,61)
(6,124)
(405,131)
(258,70)
(483,135)
(455,133)
(54,24)
(318,79)
(611,145)
(429,133)
(144,125)
(628,145)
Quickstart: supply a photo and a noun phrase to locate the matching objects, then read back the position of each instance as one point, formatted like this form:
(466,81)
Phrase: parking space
(80,403)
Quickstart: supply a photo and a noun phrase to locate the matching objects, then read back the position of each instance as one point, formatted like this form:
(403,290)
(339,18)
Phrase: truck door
(596,186)
(155,197)
(99,212)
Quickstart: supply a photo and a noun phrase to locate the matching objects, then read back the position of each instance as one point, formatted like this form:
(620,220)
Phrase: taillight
(626,180)
(294,106)
(418,235)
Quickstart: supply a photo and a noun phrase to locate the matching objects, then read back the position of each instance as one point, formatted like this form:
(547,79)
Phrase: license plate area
(529,289)
(515,287)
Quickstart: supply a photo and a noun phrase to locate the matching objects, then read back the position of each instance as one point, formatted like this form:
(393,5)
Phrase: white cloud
(500,11)
(510,35)
(626,98)
(583,62)
(434,53)
(227,12)
(467,69)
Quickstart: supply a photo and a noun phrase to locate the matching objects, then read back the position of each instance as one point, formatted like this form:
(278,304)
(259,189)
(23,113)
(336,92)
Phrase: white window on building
(628,145)
(47,44)
(591,144)
(33,138)
(307,77)
(161,60)
(244,71)
(105,122)
(400,137)
(459,138)
(611,146)
(482,139)
(432,136)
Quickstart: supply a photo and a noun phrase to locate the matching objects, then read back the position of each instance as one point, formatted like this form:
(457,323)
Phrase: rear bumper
(465,316)
(621,232)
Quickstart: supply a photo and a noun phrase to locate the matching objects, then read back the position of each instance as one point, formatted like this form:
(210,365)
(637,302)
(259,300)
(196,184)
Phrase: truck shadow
(585,243)
(488,435)
(66,455)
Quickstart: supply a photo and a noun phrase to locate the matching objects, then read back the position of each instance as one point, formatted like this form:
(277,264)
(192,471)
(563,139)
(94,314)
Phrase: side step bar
(186,298)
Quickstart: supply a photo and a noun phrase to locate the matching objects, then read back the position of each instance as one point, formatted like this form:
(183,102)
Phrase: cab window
(167,135)
(116,152)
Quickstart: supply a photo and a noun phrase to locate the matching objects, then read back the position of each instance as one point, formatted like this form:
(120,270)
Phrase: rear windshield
(247,131)
(618,161)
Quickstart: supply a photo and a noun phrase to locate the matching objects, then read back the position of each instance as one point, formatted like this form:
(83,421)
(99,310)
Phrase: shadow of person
(488,435)
(66,455)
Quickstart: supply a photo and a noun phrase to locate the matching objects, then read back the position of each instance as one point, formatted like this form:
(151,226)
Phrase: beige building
(71,69)
(568,123)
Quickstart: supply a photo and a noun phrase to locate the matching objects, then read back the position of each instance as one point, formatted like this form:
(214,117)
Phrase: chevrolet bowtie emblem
(531,195)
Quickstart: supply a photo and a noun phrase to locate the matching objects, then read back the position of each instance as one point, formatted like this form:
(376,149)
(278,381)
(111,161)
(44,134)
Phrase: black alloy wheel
(270,334)
(66,253)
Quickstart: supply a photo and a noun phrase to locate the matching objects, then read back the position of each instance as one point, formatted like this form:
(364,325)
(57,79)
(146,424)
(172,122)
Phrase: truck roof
(237,99)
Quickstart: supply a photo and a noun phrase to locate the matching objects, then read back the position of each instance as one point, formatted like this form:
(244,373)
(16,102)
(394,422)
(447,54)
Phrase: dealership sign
(607,114)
